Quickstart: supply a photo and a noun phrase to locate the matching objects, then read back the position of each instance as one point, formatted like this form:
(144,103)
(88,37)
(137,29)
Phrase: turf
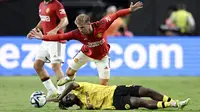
(15,92)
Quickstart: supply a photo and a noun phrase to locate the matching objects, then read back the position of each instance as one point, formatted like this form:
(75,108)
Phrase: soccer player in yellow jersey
(123,97)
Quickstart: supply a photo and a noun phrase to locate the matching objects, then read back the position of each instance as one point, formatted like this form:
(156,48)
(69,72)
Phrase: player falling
(95,46)
(54,52)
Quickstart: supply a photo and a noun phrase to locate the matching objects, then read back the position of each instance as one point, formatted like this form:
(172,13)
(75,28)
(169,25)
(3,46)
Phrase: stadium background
(168,64)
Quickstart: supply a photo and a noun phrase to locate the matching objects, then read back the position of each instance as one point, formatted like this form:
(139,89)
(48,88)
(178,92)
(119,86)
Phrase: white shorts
(103,65)
(51,52)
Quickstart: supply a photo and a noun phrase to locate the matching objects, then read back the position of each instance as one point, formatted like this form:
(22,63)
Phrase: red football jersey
(50,14)
(95,45)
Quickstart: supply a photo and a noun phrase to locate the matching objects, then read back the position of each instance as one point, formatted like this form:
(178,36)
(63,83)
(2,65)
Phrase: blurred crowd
(119,26)
(180,22)
(146,22)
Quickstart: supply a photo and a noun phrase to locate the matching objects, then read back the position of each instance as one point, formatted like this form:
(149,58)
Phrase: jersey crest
(127,106)
(47,10)
(99,35)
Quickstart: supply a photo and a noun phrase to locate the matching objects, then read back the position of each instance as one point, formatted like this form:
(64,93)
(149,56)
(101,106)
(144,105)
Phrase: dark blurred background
(19,16)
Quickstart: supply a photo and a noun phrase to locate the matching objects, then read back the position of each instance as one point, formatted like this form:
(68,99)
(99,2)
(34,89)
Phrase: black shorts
(122,95)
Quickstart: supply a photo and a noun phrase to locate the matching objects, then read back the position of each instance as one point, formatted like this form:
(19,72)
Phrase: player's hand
(29,34)
(52,32)
(36,33)
(136,6)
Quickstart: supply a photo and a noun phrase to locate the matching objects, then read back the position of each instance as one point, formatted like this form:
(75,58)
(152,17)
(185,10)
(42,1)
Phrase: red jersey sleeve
(60,11)
(107,21)
(66,36)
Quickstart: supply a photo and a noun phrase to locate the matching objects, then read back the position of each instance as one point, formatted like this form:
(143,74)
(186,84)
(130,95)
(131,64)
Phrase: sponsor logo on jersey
(45,18)
(99,35)
(127,106)
(62,11)
(97,43)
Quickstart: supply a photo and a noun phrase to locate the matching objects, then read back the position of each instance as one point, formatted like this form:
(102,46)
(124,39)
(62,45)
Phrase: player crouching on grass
(124,97)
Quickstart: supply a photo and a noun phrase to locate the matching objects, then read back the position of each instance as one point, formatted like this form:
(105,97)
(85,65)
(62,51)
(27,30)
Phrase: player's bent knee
(145,91)
(104,78)
(135,102)
(149,92)
(104,74)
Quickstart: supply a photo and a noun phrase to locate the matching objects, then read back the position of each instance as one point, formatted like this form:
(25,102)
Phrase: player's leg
(42,73)
(136,102)
(41,58)
(162,101)
(147,92)
(127,97)
(71,73)
(103,67)
(78,61)
(140,91)
(56,66)
(57,57)
(59,74)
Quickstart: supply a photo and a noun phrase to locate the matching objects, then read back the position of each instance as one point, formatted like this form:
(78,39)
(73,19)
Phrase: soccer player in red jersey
(95,46)
(50,12)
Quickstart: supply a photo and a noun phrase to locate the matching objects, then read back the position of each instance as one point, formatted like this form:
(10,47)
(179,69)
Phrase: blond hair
(82,19)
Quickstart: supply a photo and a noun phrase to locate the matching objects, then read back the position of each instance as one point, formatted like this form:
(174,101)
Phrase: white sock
(61,89)
(49,86)
(173,104)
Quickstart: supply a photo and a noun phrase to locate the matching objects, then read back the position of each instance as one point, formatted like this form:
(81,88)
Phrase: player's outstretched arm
(71,86)
(37,34)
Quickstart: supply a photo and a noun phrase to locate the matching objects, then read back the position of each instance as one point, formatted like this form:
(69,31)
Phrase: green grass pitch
(15,92)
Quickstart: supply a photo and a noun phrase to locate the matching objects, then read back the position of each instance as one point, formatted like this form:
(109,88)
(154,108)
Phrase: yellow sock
(167,104)
(167,99)
(163,104)
(159,104)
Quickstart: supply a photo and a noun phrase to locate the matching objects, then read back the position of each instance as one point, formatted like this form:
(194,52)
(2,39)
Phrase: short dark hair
(65,103)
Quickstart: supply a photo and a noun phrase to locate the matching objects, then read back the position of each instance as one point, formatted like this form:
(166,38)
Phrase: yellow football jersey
(101,97)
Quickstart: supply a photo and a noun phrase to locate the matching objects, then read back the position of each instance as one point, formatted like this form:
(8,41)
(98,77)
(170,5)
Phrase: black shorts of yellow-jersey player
(94,96)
